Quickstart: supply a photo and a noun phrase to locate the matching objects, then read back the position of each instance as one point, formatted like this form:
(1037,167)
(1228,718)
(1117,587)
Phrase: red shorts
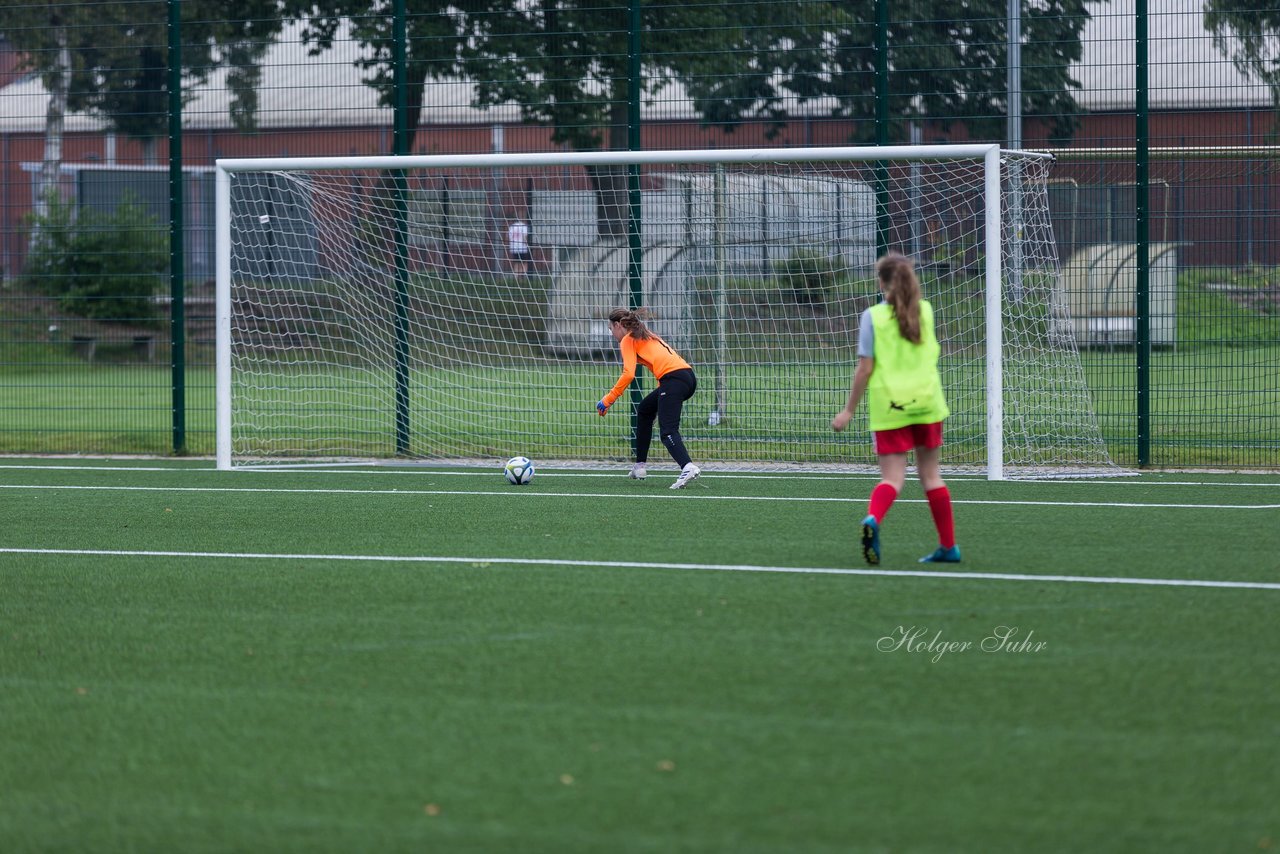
(908,438)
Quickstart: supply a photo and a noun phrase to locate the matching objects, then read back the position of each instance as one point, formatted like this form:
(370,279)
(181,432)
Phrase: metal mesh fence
(1164,197)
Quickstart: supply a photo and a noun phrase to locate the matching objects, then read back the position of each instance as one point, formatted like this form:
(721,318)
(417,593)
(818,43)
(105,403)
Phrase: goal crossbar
(975,151)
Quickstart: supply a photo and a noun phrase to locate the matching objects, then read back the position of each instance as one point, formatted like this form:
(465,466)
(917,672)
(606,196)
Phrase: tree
(947,65)
(104,266)
(111,59)
(431,48)
(564,63)
(1255,48)
(42,31)
(124,57)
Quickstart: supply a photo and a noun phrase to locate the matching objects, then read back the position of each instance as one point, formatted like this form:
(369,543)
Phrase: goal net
(375,307)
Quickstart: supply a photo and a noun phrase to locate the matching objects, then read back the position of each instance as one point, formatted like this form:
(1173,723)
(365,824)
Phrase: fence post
(1142,177)
(177,265)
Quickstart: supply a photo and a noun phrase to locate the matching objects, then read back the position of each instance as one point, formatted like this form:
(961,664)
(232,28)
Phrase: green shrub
(810,275)
(103,266)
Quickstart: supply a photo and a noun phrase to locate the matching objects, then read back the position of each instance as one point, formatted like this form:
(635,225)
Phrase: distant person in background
(898,370)
(518,246)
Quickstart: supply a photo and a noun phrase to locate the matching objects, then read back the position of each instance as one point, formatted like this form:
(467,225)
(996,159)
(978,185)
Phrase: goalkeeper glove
(602,408)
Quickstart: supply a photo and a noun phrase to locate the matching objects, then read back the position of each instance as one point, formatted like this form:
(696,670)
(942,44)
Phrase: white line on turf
(629,564)
(662,496)
(1265,480)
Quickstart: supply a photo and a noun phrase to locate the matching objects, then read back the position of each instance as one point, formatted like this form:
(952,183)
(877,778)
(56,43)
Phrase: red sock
(940,507)
(882,498)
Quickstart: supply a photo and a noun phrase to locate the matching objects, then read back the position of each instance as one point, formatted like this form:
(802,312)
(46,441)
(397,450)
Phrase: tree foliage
(1255,48)
(120,53)
(564,62)
(433,38)
(100,265)
(948,64)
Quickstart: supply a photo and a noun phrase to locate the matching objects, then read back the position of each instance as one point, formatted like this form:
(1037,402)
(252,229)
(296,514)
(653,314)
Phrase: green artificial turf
(172,687)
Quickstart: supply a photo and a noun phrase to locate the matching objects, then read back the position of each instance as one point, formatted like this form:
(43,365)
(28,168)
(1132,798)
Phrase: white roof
(297,90)
(1187,71)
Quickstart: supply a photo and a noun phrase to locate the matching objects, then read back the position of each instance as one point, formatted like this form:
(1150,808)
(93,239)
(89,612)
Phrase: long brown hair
(902,291)
(632,321)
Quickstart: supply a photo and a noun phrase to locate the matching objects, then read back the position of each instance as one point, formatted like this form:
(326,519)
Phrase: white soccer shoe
(638,472)
(688,474)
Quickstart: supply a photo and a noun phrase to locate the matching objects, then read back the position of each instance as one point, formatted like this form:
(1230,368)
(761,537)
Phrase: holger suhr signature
(920,639)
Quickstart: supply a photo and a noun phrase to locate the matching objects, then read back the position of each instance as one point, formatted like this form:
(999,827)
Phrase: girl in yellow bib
(898,372)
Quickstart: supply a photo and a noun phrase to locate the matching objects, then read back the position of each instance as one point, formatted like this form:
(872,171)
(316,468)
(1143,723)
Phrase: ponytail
(902,291)
(632,321)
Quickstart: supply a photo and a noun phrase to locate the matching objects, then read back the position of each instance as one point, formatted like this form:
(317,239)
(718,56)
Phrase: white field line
(484,561)
(697,495)
(1265,480)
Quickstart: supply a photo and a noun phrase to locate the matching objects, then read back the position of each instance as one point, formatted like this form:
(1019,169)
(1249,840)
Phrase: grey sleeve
(866,336)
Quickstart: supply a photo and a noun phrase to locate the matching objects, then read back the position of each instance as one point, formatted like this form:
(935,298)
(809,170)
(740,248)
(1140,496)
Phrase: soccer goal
(373,308)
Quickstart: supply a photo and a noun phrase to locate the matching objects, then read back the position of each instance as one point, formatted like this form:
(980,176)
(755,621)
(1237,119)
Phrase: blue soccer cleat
(941,555)
(871,541)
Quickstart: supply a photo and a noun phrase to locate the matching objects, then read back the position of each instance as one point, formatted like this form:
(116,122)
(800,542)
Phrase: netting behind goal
(374,312)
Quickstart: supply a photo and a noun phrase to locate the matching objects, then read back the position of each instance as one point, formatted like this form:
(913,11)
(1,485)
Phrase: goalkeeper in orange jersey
(898,370)
(676,384)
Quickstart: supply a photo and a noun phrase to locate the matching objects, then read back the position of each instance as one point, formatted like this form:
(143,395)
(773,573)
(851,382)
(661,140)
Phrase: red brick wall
(1214,236)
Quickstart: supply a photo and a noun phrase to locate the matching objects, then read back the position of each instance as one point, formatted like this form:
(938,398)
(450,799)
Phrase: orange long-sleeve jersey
(654,353)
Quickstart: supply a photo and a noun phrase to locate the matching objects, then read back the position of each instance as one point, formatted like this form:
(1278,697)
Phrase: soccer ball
(519,470)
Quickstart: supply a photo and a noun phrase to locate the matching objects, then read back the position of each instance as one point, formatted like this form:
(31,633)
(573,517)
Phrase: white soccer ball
(519,470)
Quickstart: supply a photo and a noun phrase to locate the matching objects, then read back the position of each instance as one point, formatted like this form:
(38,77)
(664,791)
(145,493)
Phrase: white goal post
(368,307)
